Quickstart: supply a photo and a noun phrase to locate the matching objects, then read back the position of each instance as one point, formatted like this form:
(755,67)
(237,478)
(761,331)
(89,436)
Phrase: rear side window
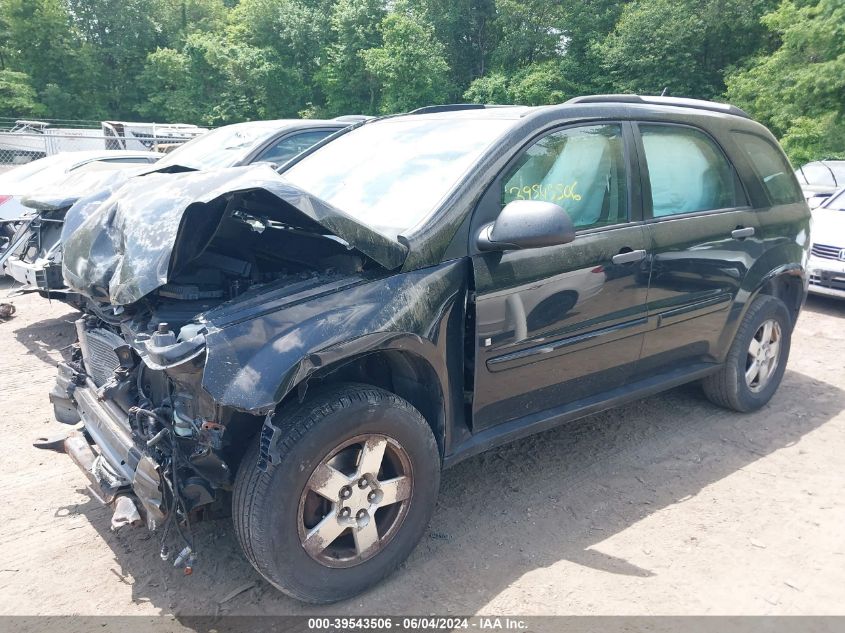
(687,171)
(771,167)
(580,169)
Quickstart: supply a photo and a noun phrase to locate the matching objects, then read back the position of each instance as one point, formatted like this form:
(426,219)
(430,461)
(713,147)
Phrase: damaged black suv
(311,350)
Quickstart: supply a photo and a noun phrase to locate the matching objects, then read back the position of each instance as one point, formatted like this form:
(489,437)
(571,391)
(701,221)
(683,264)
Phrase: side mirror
(527,224)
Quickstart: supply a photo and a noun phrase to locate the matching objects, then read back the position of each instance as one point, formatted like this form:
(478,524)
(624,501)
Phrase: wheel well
(407,375)
(789,289)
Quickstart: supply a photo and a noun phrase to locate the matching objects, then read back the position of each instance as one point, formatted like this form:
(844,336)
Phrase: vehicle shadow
(545,499)
(47,339)
(828,306)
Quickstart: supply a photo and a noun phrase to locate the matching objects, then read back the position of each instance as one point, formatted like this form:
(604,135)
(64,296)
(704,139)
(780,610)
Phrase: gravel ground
(668,505)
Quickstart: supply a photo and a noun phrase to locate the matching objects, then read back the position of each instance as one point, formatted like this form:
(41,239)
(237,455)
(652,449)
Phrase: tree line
(214,62)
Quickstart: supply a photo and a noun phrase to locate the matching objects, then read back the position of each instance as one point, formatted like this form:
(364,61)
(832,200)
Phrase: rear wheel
(757,359)
(349,497)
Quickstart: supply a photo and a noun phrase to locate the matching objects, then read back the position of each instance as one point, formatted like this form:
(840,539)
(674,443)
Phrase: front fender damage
(251,365)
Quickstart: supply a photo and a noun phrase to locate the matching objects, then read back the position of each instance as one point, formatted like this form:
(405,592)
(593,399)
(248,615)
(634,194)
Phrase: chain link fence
(19,149)
(26,141)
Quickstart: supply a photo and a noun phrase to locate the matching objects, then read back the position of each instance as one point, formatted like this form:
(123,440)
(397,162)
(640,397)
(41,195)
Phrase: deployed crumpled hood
(119,248)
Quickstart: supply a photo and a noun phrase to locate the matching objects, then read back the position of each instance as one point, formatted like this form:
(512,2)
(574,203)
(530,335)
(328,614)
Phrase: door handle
(628,257)
(742,232)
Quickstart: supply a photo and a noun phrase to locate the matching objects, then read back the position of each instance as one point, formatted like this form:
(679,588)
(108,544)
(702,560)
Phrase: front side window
(771,167)
(687,172)
(580,169)
(283,150)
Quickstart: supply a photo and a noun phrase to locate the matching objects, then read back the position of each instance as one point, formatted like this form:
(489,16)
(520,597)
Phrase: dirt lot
(666,506)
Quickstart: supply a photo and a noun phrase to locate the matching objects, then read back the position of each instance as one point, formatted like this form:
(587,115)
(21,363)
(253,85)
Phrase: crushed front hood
(122,247)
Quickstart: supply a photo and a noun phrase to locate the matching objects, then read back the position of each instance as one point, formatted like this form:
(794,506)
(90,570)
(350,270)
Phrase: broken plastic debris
(125,513)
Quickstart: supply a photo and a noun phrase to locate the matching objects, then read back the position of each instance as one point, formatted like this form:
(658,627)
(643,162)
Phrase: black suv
(310,350)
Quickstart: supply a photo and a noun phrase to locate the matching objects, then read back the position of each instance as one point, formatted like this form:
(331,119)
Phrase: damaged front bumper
(105,450)
(42,274)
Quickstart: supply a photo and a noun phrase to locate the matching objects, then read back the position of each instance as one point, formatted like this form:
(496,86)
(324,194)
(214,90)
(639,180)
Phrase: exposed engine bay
(135,375)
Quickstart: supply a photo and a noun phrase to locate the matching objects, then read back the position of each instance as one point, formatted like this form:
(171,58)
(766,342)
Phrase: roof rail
(353,118)
(448,107)
(682,102)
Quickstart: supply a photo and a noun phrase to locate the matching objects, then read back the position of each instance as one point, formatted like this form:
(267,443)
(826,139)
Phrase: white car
(820,179)
(827,257)
(48,171)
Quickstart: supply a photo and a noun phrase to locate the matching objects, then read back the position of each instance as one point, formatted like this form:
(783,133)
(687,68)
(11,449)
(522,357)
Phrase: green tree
(495,87)
(411,64)
(43,43)
(216,81)
(543,83)
(686,46)
(119,34)
(298,31)
(469,33)
(547,51)
(346,83)
(587,23)
(799,90)
(532,31)
(17,96)
(176,19)
(173,92)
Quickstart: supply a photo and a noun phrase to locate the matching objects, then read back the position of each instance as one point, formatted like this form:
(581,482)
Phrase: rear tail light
(4,199)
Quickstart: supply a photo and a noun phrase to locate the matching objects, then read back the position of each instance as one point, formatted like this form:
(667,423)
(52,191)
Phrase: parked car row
(32,250)
(307,342)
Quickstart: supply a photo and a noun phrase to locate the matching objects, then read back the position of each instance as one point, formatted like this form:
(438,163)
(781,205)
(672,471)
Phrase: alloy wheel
(763,355)
(355,501)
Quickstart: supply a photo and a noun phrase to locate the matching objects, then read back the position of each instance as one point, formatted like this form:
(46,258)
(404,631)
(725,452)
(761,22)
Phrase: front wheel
(757,359)
(347,500)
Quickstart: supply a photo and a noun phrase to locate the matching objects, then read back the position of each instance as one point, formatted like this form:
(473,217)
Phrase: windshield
(391,174)
(222,147)
(829,173)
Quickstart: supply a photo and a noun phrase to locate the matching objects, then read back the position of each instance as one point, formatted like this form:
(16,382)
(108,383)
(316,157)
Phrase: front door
(559,324)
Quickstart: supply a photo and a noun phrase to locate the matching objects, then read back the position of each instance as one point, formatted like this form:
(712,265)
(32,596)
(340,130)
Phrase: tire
(268,507)
(729,387)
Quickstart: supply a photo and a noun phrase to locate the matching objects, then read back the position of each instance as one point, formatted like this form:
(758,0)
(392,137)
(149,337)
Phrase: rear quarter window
(771,167)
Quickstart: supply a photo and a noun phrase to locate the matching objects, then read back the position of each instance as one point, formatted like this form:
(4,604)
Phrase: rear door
(559,324)
(703,239)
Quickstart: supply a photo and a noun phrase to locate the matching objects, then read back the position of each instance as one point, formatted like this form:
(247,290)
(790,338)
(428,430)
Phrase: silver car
(48,171)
